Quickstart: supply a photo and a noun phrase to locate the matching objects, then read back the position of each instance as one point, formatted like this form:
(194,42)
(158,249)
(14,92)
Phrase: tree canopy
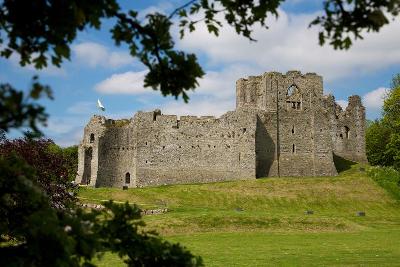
(33,233)
(383,136)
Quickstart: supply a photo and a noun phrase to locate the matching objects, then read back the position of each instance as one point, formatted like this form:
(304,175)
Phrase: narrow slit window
(347,132)
(294,148)
(293,129)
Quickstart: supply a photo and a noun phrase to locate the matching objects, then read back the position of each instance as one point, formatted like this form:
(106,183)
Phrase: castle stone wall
(194,149)
(117,157)
(347,128)
(293,128)
(283,125)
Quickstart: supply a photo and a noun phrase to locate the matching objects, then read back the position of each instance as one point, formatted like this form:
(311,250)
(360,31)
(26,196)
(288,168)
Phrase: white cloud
(342,103)
(221,84)
(72,137)
(199,107)
(124,83)
(290,44)
(374,100)
(214,96)
(161,7)
(66,130)
(62,125)
(94,55)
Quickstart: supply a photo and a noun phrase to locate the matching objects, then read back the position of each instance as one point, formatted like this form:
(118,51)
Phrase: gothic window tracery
(293,98)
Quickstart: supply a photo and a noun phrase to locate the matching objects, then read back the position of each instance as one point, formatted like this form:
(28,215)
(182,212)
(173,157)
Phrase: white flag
(100,106)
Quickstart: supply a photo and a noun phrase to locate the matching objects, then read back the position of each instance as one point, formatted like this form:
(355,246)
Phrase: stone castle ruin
(283,125)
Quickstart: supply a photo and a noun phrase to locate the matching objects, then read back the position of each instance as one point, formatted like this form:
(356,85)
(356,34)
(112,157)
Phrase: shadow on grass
(342,164)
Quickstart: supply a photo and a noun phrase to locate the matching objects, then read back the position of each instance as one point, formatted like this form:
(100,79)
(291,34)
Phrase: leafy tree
(391,105)
(19,110)
(139,248)
(377,138)
(52,170)
(33,233)
(345,20)
(70,155)
(42,225)
(383,136)
(391,118)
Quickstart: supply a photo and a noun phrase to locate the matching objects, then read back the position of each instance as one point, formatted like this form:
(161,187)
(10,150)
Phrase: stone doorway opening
(87,171)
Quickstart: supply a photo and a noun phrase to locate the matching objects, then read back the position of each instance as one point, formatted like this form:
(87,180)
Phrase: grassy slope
(255,222)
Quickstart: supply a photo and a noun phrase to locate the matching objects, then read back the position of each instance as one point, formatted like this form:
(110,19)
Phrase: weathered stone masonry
(283,125)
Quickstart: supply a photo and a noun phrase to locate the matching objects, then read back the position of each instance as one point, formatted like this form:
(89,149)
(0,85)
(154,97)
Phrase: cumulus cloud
(70,138)
(67,130)
(161,7)
(94,55)
(214,96)
(374,99)
(124,83)
(221,84)
(290,44)
(342,103)
(207,106)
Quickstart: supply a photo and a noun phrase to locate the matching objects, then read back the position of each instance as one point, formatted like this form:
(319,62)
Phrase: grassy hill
(264,222)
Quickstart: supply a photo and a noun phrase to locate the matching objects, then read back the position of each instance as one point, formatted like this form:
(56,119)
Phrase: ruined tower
(283,125)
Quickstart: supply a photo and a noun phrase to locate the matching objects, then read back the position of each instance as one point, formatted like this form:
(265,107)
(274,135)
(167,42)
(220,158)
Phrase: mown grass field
(263,222)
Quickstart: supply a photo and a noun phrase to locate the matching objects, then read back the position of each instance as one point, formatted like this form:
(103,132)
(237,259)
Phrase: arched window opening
(291,90)
(293,98)
(127,178)
(347,132)
(91,138)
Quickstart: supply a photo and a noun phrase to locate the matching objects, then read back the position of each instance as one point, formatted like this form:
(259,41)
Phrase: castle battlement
(283,125)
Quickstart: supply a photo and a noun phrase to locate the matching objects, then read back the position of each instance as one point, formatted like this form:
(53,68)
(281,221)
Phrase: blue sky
(98,69)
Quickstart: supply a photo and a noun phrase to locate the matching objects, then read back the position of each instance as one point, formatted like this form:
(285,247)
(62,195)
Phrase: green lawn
(263,222)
